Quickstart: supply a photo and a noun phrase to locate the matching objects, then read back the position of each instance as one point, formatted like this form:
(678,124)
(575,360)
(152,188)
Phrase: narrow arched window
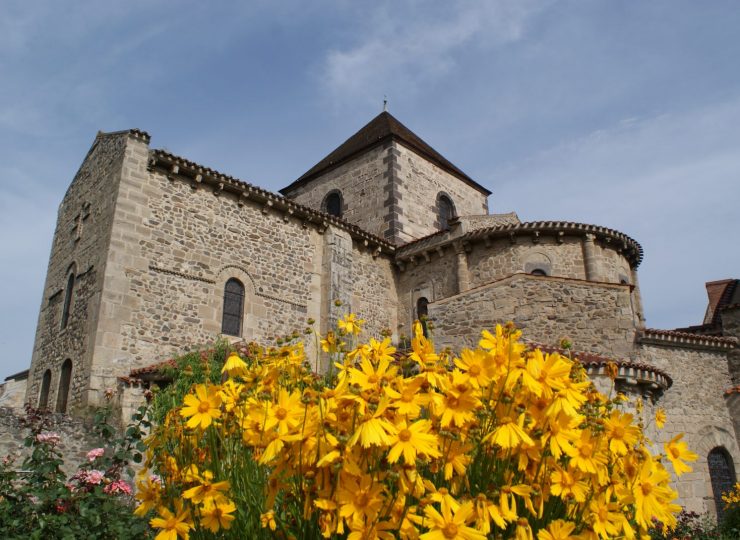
(44,394)
(722,475)
(445,211)
(422,313)
(333,204)
(65,379)
(538,272)
(67,306)
(231,323)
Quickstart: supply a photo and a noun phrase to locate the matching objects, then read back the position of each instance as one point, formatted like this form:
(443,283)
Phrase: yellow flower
(509,433)
(202,407)
(660,418)
(620,432)
(459,402)
(604,518)
(148,493)
(588,456)
(566,484)
(369,378)
(359,499)
(678,451)
(217,514)
(449,525)
(473,364)
(206,489)
(287,413)
(557,530)
(172,525)
(652,495)
(267,520)
(407,400)
(235,366)
(329,343)
(350,324)
(413,440)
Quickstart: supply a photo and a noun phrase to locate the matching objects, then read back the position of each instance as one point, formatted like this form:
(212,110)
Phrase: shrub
(500,441)
(40,502)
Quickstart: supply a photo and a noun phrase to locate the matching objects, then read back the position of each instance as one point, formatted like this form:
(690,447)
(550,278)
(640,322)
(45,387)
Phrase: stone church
(154,254)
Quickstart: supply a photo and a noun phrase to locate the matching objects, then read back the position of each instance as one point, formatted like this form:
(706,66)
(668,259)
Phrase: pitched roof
(380,129)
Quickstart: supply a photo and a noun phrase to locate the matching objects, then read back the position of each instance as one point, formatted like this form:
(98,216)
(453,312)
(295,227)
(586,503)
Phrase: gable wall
(96,184)
(418,182)
(362,181)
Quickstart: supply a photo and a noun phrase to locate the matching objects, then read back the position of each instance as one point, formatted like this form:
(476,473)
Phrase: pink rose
(94,477)
(48,438)
(95,453)
(119,486)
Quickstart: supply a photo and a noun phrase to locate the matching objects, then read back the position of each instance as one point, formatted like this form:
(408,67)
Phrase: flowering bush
(37,500)
(497,442)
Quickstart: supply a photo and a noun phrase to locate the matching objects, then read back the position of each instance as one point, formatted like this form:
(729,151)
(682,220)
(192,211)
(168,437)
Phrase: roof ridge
(383,127)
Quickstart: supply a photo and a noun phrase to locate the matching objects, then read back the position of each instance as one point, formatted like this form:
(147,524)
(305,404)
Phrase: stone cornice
(532,229)
(685,339)
(179,168)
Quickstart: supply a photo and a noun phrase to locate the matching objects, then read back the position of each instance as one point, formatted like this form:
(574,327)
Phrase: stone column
(463,274)
(589,258)
(637,300)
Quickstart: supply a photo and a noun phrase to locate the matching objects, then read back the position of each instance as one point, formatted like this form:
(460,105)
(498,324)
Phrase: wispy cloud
(406,50)
(671,181)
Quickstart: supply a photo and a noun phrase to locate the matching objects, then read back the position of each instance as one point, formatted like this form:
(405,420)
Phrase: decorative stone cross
(79,221)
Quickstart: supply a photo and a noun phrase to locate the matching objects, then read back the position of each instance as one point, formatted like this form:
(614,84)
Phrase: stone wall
(696,407)
(596,317)
(434,279)
(80,247)
(76,437)
(13,393)
(419,182)
(731,328)
(362,183)
(562,258)
(175,243)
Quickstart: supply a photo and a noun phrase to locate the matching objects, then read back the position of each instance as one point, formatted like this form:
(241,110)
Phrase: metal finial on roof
(385,103)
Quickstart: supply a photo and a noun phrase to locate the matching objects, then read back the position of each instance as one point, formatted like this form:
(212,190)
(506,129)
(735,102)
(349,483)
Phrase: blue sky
(623,114)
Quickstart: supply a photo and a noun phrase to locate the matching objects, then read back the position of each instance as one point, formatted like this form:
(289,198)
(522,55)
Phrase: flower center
(586,450)
(281,413)
(474,370)
(203,407)
(407,396)
(647,488)
(362,500)
(674,452)
(372,379)
(618,432)
(404,435)
(452,402)
(450,530)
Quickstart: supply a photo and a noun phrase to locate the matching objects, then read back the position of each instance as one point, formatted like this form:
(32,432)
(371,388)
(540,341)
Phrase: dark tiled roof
(631,248)
(380,129)
(200,174)
(687,338)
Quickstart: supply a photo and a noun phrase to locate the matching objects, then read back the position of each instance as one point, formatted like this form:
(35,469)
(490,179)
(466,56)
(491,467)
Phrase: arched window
(231,323)
(65,379)
(538,272)
(722,474)
(44,394)
(422,313)
(66,308)
(333,203)
(445,211)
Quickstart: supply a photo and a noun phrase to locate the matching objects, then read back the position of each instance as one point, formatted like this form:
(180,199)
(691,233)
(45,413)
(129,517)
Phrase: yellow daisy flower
(203,407)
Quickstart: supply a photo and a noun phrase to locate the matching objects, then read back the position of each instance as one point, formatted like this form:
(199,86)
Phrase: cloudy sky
(622,114)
